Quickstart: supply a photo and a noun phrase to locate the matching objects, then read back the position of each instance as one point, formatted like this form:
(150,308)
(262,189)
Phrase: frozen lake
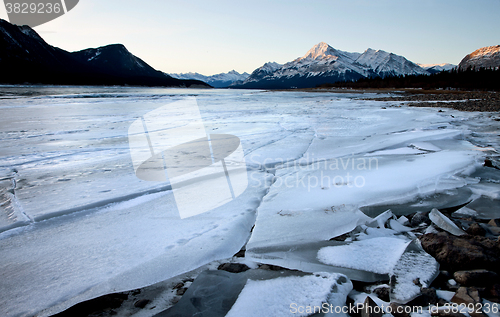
(77,222)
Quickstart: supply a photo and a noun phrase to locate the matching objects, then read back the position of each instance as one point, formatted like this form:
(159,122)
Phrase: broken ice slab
(426,146)
(447,199)
(303,257)
(398,151)
(258,293)
(378,255)
(381,219)
(464,212)
(287,295)
(397,226)
(414,264)
(487,174)
(293,226)
(445,223)
(403,260)
(486,207)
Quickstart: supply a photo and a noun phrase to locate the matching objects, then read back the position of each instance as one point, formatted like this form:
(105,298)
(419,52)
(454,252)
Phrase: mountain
(258,74)
(324,64)
(486,57)
(221,80)
(26,58)
(436,68)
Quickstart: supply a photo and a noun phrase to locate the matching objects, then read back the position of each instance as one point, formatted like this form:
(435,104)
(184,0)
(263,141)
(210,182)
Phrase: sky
(215,36)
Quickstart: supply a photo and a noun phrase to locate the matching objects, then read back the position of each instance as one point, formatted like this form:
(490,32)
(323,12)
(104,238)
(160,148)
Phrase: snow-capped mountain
(436,68)
(487,57)
(261,72)
(388,64)
(218,81)
(323,64)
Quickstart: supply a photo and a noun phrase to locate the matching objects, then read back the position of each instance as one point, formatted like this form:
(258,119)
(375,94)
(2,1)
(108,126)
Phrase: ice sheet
(76,223)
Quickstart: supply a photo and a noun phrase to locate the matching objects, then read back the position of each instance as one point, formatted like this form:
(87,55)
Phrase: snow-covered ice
(76,222)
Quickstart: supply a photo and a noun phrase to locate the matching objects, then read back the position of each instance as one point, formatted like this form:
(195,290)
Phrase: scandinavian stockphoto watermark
(171,144)
(316,172)
(36,12)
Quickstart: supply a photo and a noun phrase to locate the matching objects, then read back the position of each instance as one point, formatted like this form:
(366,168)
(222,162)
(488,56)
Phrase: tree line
(468,79)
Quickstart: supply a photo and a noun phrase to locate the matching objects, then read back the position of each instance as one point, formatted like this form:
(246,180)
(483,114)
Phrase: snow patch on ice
(276,297)
(377,255)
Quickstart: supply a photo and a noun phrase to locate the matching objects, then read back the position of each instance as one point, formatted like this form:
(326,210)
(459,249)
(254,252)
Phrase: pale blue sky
(211,36)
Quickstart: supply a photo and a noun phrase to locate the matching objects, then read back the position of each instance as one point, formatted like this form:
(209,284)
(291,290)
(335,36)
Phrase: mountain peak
(487,57)
(320,50)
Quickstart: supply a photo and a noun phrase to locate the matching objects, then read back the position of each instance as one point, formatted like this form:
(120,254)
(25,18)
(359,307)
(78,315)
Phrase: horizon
(175,37)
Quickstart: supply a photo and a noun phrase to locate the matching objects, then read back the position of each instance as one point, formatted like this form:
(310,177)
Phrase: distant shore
(457,99)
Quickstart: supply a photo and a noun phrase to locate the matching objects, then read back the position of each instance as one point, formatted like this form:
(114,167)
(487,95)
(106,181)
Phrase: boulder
(469,296)
(371,309)
(419,218)
(382,293)
(233,267)
(475,277)
(427,297)
(462,253)
(493,293)
(475,229)
(494,222)
(141,303)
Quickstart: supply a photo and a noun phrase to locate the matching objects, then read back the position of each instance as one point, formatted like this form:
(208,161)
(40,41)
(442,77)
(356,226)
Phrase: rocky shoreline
(484,101)
(458,100)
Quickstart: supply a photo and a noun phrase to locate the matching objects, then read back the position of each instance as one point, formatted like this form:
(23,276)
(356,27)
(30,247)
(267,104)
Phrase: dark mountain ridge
(26,58)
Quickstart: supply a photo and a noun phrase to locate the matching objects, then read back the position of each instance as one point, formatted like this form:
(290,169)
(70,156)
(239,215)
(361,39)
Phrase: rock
(178,285)
(468,296)
(475,277)
(494,222)
(475,229)
(135,292)
(494,230)
(354,310)
(240,254)
(493,293)
(175,300)
(398,310)
(419,218)
(269,267)
(181,291)
(489,163)
(141,303)
(427,297)
(96,306)
(441,279)
(341,237)
(382,293)
(462,253)
(371,309)
(233,267)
